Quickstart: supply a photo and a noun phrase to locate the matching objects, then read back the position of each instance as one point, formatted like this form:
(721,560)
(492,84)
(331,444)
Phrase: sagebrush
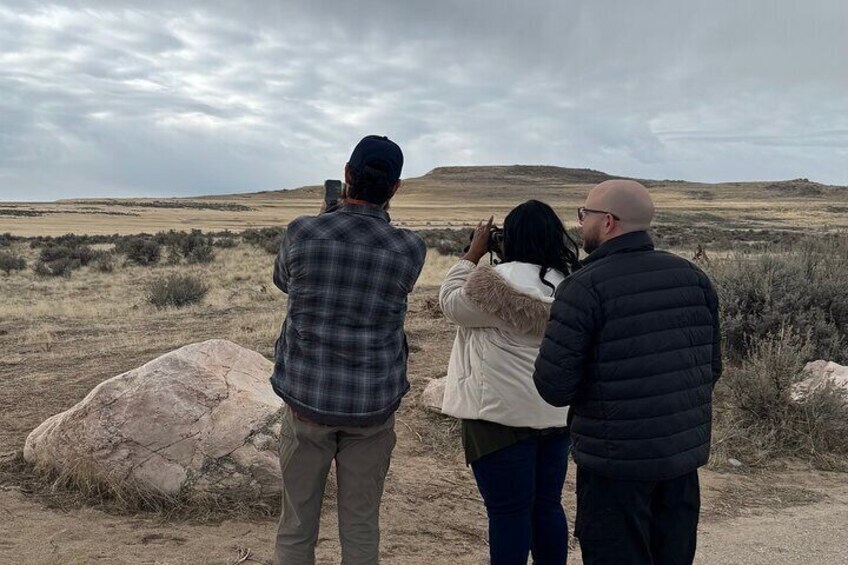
(140,250)
(801,285)
(759,420)
(10,262)
(176,291)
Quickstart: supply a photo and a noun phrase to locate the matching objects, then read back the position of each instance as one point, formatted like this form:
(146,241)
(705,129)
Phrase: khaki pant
(362,458)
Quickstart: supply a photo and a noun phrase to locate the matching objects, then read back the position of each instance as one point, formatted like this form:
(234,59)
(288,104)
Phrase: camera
(494,245)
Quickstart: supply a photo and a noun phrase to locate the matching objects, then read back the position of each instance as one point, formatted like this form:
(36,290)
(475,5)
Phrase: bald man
(633,346)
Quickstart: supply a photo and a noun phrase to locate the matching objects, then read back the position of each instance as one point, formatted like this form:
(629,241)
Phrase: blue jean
(521,486)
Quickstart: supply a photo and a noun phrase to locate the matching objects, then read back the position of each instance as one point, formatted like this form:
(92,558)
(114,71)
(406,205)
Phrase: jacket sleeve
(712,303)
(567,344)
(281,267)
(458,307)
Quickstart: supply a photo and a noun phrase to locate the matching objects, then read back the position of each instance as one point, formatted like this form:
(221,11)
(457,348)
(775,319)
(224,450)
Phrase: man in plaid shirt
(340,360)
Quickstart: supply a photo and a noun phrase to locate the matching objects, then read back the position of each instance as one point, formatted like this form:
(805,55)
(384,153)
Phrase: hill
(448,197)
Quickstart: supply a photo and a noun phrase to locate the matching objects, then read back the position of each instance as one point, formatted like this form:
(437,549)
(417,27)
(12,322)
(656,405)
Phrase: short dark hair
(371,184)
(533,233)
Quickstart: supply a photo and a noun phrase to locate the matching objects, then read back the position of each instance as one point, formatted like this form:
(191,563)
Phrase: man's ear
(609,226)
(394,188)
(347,173)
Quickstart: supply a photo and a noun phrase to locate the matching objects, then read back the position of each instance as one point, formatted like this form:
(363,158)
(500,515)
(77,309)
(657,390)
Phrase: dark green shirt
(480,437)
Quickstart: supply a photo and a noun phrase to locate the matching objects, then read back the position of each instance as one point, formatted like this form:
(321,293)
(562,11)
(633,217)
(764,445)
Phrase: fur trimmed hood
(494,294)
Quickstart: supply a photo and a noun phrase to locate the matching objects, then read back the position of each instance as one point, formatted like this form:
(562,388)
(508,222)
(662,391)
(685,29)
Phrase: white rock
(734,462)
(433,394)
(821,374)
(201,419)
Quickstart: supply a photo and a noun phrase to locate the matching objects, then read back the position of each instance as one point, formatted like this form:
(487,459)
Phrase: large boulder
(199,420)
(819,375)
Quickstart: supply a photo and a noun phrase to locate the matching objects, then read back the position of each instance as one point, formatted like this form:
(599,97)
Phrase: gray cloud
(143,99)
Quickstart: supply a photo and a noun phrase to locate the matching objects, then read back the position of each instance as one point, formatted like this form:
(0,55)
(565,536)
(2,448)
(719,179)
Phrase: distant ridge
(530,181)
(546,182)
(800,187)
(548,172)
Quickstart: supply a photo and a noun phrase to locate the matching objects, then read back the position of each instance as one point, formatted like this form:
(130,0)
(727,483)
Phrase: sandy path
(807,535)
(432,520)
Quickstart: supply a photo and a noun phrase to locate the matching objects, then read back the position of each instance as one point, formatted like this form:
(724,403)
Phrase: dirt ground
(59,338)
(432,515)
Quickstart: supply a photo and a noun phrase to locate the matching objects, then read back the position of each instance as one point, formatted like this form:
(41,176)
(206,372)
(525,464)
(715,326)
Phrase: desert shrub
(175,203)
(174,256)
(756,403)
(201,254)
(60,251)
(105,263)
(73,240)
(10,262)
(225,242)
(267,239)
(6,239)
(140,250)
(197,248)
(194,246)
(802,286)
(41,269)
(446,241)
(60,257)
(62,267)
(176,291)
(684,234)
(184,241)
(170,238)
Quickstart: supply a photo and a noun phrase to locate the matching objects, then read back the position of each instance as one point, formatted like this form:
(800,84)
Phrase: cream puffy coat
(502,313)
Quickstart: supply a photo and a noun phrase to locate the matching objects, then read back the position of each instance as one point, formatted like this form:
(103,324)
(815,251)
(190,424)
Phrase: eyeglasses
(582,211)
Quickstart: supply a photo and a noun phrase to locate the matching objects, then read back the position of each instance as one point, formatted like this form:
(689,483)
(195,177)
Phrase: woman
(517,445)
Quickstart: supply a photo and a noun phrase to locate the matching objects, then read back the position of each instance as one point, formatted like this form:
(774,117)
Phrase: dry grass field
(448,197)
(60,337)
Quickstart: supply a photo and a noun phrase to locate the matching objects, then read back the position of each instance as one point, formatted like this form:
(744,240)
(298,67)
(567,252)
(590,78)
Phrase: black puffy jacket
(633,346)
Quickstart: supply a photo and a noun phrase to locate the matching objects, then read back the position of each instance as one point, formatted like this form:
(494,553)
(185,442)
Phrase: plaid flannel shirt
(341,356)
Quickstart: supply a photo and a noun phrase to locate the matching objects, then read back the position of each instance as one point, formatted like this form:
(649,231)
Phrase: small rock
(433,394)
(734,462)
(821,374)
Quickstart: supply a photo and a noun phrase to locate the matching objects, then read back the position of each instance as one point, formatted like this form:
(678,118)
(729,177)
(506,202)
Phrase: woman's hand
(480,242)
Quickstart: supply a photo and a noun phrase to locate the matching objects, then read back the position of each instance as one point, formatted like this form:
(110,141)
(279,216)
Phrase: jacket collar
(494,295)
(365,210)
(627,243)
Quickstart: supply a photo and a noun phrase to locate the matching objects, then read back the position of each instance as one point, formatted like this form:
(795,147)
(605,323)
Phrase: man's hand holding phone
(333,191)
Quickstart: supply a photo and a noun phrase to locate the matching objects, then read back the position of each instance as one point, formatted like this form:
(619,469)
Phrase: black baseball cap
(379,156)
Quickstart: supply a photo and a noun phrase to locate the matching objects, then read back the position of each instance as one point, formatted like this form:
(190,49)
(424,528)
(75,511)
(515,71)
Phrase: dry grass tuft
(436,434)
(75,487)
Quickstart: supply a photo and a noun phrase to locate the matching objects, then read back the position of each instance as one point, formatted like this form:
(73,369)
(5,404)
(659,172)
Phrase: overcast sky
(140,98)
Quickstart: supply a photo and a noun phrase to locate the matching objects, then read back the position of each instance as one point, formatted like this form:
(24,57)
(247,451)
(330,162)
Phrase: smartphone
(332,192)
